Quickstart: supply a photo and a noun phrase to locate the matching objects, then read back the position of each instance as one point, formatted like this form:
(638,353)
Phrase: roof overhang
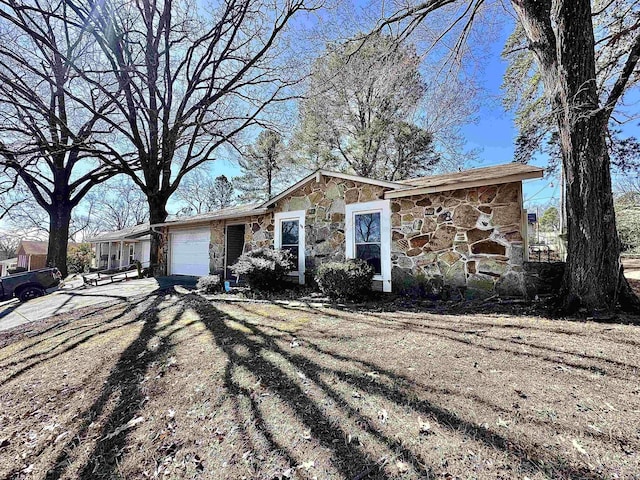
(445,187)
(318,174)
(205,220)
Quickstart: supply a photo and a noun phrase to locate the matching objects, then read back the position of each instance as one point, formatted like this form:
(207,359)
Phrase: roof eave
(327,173)
(187,221)
(516,177)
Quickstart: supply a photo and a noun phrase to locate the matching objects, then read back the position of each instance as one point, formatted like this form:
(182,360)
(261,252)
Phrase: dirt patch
(180,387)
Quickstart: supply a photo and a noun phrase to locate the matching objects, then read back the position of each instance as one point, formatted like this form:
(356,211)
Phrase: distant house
(122,248)
(32,254)
(6,265)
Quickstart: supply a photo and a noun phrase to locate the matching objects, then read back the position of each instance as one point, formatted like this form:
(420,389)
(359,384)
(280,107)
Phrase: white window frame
(379,206)
(132,254)
(298,215)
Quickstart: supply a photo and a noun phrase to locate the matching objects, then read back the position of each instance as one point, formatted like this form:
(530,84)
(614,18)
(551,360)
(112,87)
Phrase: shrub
(209,283)
(264,269)
(418,285)
(79,258)
(350,279)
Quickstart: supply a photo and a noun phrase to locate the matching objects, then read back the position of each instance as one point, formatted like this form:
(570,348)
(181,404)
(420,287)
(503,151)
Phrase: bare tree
(560,34)
(614,25)
(200,192)
(190,81)
(116,204)
(47,136)
(27,219)
(8,245)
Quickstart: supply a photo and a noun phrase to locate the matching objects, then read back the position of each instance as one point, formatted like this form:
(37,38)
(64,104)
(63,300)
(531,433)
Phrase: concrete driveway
(14,313)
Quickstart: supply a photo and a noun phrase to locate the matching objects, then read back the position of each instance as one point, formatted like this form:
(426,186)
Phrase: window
(289,235)
(132,253)
(368,240)
(368,236)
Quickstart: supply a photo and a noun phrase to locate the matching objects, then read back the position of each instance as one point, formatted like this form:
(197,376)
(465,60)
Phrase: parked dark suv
(28,285)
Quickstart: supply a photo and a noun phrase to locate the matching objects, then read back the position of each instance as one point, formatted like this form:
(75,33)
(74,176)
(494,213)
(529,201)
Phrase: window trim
(298,215)
(384,208)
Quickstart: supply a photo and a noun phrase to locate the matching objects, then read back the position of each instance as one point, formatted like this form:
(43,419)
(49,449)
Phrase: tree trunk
(560,33)
(593,256)
(157,214)
(59,220)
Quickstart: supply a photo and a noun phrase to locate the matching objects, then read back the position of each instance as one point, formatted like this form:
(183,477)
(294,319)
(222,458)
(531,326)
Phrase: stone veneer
(324,203)
(471,237)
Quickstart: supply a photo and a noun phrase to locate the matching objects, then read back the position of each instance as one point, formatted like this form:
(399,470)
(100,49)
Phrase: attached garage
(189,252)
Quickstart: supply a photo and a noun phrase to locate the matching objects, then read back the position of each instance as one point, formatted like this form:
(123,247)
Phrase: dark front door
(235,246)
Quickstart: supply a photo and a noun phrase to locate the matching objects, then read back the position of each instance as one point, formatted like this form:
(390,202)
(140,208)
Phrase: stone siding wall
(217,245)
(471,238)
(324,203)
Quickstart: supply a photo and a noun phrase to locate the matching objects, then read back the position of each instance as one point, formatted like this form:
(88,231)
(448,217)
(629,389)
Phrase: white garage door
(189,251)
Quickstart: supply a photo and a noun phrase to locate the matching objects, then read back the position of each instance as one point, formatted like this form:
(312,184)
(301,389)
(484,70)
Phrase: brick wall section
(471,237)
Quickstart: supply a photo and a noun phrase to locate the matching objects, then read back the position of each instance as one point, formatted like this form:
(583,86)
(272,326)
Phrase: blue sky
(493,134)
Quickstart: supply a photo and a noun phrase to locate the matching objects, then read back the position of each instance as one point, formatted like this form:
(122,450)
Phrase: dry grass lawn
(176,386)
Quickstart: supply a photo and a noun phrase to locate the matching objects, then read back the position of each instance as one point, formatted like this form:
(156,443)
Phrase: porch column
(109,258)
(121,253)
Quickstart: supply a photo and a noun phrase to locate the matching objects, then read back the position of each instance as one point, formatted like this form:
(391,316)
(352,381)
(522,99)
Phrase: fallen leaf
(521,394)
(502,423)
(383,415)
(594,428)
(579,447)
(402,467)
(60,437)
(130,424)
(307,465)
(425,427)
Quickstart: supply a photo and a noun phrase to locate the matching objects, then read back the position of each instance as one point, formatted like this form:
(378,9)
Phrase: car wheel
(30,293)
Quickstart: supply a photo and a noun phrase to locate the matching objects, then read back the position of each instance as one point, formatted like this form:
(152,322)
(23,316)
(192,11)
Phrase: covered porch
(121,254)
(121,249)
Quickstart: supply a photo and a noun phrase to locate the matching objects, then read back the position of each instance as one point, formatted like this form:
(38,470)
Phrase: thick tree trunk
(593,256)
(59,220)
(560,33)
(157,214)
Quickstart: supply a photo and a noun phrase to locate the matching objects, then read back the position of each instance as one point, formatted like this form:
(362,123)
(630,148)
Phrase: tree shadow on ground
(467,333)
(125,384)
(85,334)
(350,460)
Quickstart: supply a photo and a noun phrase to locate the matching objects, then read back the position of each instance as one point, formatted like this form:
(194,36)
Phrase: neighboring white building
(6,265)
(122,248)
